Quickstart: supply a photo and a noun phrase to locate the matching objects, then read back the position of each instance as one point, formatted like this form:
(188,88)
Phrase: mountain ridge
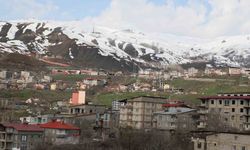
(119,49)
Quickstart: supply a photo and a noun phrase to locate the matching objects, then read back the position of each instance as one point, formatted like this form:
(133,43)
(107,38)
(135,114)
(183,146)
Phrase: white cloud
(196,18)
(26,9)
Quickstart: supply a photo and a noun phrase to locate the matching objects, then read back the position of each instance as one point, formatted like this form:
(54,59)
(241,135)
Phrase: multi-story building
(41,119)
(192,71)
(58,132)
(232,108)
(221,141)
(78,97)
(232,71)
(19,136)
(138,112)
(117,104)
(86,109)
(175,117)
(108,120)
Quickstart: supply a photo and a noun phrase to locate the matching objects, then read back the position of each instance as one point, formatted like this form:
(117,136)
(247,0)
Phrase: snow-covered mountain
(110,48)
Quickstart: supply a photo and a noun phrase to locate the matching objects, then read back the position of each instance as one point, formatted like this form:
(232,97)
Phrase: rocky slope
(118,49)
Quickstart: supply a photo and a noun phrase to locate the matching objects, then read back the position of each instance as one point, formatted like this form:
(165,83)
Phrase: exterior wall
(78,98)
(86,109)
(234,71)
(82,97)
(183,122)
(74,99)
(60,136)
(233,111)
(223,141)
(139,114)
(37,120)
(12,139)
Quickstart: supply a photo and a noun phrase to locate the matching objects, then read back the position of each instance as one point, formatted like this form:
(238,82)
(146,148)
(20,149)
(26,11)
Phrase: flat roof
(225,97)
(150,99)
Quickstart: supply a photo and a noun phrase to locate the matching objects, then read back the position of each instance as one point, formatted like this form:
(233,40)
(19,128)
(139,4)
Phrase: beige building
(222,141)
(232,108)
(175,117)
(138,112)
(234,71)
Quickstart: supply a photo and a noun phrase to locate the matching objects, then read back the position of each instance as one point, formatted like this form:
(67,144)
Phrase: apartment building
(232,108)
(19,136)
(138,112)
(58,132)
(222,141)
(175,117)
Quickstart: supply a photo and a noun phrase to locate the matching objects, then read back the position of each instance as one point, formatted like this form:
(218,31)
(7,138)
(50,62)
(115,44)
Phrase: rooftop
(58,125)
(175,110)
(149,99)
(24,127)
(226,97)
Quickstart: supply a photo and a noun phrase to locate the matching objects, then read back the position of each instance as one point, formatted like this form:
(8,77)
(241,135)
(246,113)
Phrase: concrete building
(19,136)
(233,108)
(58,132)
(192,72)
(41,119)
(94,82)
(232,71)
(108,120)
(175,117)
(138,112)
(78,98)
(117,104)
(222,141)
(86,109)
(5,74)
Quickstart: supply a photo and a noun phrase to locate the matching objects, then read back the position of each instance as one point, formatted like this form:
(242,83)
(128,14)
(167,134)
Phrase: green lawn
(107,98)
(69,78)
(202,89)
(47,95)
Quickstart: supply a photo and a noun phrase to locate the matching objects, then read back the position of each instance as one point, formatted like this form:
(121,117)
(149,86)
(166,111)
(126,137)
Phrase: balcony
(246,115)
(201,126)
(247,122)
(202,112)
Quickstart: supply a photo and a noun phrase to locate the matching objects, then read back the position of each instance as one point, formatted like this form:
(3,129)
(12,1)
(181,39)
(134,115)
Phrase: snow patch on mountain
(130,45)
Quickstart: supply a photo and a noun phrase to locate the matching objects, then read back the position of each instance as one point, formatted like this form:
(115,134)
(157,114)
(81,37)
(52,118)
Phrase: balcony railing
(203,111)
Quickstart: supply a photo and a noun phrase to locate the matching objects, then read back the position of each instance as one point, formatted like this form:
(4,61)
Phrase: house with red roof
(20,136)
(58,132)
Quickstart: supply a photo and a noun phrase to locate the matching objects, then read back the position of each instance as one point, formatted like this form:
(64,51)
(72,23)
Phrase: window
(243,148)
(235,137)
(23,138)
(220,101)
(241,110)
(233,102)
(242,102)
(226,103)
(212,101)
(233,109)
(232,117)
(234,147)
(199,145)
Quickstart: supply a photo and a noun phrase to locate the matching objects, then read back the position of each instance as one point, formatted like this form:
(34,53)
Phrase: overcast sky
(197,18)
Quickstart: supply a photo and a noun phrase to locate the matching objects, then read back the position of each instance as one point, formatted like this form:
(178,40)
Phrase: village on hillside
(116,110)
